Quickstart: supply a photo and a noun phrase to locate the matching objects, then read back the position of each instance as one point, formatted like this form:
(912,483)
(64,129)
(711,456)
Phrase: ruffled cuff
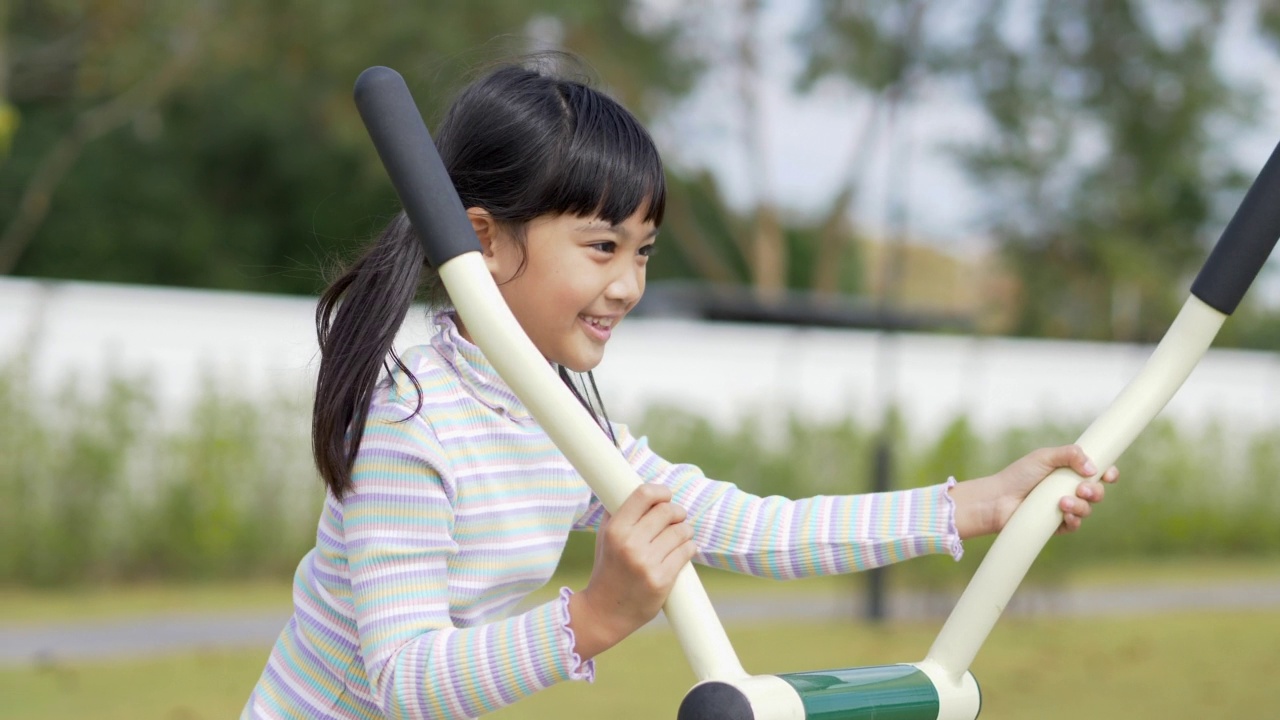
(954,545)
(578,670)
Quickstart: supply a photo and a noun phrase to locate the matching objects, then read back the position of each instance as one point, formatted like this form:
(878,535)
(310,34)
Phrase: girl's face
(581,276)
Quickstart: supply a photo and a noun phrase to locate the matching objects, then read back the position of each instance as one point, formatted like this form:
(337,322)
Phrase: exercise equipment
(939,687)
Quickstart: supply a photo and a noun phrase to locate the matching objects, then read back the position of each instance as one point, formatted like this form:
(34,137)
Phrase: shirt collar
(474,370)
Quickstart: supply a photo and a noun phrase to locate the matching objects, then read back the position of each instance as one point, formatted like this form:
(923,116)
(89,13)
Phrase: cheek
(569,290)
(547,301)
(525,304)
(504,262)
(513,292)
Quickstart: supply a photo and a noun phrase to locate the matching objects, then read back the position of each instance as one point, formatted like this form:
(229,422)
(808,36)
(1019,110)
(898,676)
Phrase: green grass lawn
(23,606)
(1189,665)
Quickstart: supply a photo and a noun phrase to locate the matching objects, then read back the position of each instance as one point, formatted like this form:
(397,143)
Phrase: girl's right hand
(639,553)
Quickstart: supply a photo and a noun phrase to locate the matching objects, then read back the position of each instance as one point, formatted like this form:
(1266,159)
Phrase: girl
(447,502)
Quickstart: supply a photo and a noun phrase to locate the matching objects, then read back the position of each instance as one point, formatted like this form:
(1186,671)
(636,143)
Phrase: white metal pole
(1035,521)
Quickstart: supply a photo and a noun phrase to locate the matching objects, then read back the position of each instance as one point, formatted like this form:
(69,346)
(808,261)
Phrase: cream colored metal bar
(958,695)
(1038,517)
(771,698)
(496,331)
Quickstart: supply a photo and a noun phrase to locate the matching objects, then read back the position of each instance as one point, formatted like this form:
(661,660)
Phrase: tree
(1107,118)
(125,88)
(239,161)
(710,242)
(761,246)
(878,48)
(8,114)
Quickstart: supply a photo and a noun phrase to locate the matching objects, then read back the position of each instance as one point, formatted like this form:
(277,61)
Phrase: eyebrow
(598,225)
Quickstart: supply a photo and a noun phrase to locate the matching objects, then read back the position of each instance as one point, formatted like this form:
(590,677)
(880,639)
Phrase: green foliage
(247,167)
(1106,155)
(225,495)
(873,44)
(102,485)
(1183,493)
(705,239)
(1251,327)
(98,489)
(62,479)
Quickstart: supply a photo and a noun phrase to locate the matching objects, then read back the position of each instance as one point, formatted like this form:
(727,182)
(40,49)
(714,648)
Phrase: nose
(627,286)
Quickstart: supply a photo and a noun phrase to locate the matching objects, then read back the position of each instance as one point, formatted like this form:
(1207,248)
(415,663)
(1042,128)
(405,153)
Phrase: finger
(1068,456)
(1070,524)
(1111,475)
(1076,507)
(1077,460)
(671,539)
(664,574)
(658,518)
(1091,491)
(680,556)
(639,502)
(684,554)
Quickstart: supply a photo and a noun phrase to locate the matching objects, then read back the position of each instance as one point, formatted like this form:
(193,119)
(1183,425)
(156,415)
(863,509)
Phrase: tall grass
(1182,493)
(100,484)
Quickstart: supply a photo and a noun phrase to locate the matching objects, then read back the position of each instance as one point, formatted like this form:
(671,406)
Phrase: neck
(462,329)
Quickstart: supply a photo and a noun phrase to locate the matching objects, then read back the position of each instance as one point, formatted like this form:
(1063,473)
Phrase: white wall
(265,343)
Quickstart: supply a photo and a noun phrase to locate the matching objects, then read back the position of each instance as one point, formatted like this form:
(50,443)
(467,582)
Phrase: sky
(810,138)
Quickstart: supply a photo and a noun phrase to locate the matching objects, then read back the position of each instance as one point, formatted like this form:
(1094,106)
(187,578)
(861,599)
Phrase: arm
(640,550)
(398,524)
(984,505)
(780,538)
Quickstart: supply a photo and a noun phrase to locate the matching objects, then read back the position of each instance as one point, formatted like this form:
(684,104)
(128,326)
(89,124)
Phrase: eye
(605,246)
(648,250)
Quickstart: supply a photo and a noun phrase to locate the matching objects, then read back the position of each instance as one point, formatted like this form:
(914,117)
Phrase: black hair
(521,142)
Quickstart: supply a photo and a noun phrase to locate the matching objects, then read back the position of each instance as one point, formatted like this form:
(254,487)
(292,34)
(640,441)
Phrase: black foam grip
(395,125)
(715,701)
(1245,245)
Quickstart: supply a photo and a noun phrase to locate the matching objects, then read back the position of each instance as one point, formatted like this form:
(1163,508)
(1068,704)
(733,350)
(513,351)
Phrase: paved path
(172,633)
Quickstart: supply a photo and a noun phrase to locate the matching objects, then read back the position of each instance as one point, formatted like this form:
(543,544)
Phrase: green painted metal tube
(881,692)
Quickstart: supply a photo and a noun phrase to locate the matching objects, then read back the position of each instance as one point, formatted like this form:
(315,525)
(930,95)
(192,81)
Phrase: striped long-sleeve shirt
(404,609)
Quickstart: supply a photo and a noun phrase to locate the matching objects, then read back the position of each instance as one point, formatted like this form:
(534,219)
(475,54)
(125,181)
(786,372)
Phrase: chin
(581,367)
(581,364)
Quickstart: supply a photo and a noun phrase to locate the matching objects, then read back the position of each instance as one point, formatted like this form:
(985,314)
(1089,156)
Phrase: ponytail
(356,323)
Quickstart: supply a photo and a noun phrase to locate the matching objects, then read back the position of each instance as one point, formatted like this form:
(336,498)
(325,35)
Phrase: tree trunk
(768,256)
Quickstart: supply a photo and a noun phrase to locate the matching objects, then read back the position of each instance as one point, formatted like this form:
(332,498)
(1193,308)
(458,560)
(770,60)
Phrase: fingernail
(1089,468)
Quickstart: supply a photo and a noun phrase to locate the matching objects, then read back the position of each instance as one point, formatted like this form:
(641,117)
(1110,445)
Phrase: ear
(485,227)
(487,232)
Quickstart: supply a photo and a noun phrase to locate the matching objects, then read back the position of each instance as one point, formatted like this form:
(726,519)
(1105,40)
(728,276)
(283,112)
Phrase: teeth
(605,323)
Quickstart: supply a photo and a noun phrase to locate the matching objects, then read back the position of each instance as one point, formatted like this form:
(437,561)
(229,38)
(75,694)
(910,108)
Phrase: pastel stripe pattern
(407,607)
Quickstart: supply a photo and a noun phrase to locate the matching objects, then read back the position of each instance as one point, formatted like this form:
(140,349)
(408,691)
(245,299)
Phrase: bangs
(610,168)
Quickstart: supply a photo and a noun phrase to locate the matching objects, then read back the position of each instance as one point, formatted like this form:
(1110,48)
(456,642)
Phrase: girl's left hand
(984,505)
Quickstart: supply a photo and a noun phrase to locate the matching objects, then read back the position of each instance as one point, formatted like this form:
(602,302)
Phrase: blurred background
(945,233)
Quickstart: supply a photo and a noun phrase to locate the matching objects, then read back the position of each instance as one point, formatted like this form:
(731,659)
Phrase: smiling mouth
(601,323)
(598,328)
